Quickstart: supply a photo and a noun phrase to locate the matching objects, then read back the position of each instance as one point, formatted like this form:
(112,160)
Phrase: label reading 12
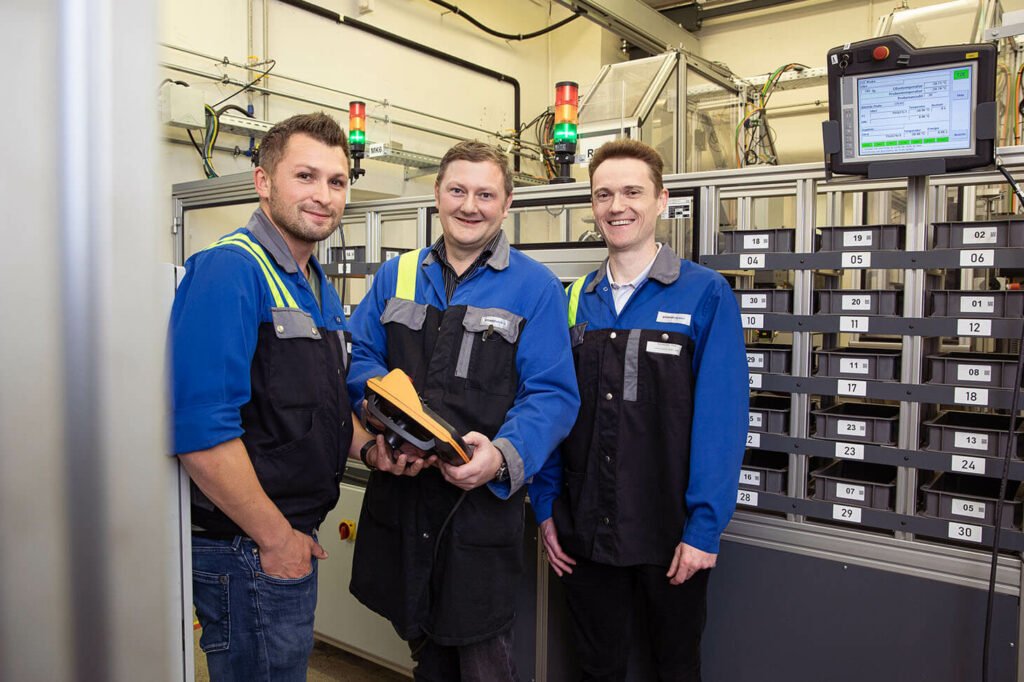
(974,327)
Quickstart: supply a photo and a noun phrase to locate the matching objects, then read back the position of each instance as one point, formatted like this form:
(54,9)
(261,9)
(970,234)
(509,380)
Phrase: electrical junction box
(182,106)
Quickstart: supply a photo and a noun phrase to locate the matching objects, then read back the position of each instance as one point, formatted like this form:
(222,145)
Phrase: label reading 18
(977,259)
(969,508)
(978,304)
(970,396)
(974,327)
(856,302)
(856,259)
(748,477)
(756,241)
(849,451)
(755,360)
(754,301)
(980,235)
(968,465)
(857,239)
(747,497)
(962,531)
(841,512)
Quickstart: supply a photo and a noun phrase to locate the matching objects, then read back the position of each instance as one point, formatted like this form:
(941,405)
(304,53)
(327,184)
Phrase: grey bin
(765,471)
(769,414)
(995,370)
(777,240)
(863,238)
(349,254)
(769,358)
(878,364)
(858,422)
(980,434)
(847,482)
(947,303)
(972,499)
(765,300)
(859,301)
(959,235)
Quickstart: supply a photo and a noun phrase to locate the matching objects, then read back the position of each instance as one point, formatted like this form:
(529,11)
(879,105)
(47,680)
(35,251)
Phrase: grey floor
(327,664)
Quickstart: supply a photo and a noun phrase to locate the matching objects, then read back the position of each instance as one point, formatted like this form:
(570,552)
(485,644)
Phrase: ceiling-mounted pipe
(424,49)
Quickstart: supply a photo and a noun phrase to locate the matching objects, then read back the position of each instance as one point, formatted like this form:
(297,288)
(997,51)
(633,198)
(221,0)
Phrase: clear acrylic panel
(618,93)
(712,115)
(659,128)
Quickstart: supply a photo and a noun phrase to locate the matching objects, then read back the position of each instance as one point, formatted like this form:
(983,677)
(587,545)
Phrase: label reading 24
(968,465)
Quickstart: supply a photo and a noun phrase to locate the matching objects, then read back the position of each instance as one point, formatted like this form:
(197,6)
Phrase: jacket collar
(497,261)
(665,269)
(272,241)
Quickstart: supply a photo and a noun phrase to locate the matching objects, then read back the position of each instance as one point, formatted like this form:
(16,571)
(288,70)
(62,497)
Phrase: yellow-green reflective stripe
(262,255)
(268,270)
(574,299)
(266,274)
(406,285)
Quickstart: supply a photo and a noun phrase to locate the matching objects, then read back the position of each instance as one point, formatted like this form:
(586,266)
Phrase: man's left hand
(478,470)
(687,561)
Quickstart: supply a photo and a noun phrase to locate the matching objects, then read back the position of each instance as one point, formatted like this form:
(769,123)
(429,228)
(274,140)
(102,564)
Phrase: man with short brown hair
(480,329)
(639,493)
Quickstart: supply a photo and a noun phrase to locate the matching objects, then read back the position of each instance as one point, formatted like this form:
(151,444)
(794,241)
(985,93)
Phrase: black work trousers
(601,600)
(487,661)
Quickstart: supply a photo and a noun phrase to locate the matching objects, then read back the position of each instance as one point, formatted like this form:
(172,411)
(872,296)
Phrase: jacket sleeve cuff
(702,540)
(516,472)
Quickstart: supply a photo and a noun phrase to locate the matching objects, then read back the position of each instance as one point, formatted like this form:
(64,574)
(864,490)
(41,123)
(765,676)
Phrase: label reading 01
(978,304)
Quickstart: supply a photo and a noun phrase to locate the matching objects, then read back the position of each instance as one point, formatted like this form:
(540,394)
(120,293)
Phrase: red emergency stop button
(347,529)
(880,52)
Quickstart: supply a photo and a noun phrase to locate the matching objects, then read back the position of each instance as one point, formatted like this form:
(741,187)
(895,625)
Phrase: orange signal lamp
(356,137)
(565,132)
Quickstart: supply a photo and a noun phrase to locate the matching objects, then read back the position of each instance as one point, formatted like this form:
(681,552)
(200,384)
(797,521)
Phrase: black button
(607,459)
(606,521)
(425,536)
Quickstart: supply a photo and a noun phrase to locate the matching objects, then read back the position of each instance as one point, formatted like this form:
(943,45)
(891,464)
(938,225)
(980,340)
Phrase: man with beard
(480,329)
(262,421)
(635,501)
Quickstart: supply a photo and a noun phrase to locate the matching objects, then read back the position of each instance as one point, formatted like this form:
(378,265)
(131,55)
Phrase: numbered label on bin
(841,512)
(852,427)
(755,360)
(978,304)
(747,497)
(968,465)
(970,396)
(754,301)
(751,261)
(748,477)
(854,365)
(974,373)
(963,531)
(756,241)
(856,302)
(967,327)
(857,238)
(980,235)
(969,508)
(984,258)
(755,420)
(970,441)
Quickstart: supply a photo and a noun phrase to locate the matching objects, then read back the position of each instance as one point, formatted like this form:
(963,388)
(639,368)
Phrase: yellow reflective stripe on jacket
(574,299)
(405,287)
(277,287)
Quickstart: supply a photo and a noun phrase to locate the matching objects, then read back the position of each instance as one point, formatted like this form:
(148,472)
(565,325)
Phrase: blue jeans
(255,627)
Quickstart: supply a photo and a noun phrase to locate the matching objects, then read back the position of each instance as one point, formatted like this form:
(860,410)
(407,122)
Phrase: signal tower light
(356,137)
(566,119)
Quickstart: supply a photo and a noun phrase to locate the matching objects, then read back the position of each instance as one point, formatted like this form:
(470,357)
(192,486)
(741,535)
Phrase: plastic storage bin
(769,414)
(765,300)
(858,483)
(972,498)
(349,254)
(764,470)
(972,433)
(859,422)
(862,302)
(863,238)
(778,240)
(771,358)
(879,364)
(979,234)
(946,303)
(998,370)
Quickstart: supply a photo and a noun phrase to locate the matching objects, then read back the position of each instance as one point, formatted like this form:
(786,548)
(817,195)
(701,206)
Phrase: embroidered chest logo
(674,318)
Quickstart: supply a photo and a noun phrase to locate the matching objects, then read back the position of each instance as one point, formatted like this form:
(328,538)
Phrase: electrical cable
(234,107)
(1011,447)
(498,34)
(254,81)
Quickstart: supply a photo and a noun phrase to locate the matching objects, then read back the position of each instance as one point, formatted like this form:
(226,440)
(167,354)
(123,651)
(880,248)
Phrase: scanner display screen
(910,113)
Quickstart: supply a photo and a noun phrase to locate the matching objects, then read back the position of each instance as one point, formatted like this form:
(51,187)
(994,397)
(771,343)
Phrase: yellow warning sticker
(971,55)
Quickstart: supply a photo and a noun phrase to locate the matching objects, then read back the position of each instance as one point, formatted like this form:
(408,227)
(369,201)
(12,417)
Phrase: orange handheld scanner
(393,401)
